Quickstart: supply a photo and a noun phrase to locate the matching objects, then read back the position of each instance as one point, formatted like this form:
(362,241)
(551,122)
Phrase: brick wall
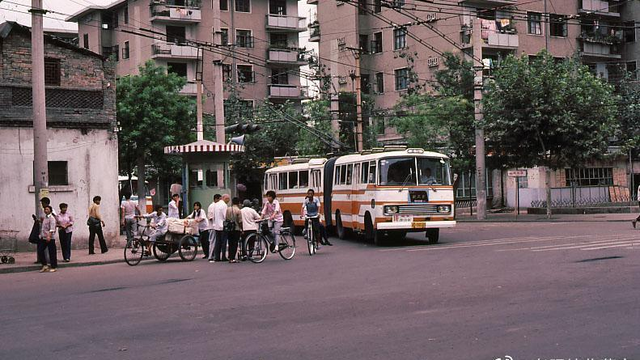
(83,77)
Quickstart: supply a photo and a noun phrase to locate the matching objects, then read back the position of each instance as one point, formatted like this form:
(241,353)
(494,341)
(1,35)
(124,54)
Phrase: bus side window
(364,178)
(304,179)
(349,173)
(372,172)
(282,181)
(337,180)
(293,180)
(356,173)
(343,174)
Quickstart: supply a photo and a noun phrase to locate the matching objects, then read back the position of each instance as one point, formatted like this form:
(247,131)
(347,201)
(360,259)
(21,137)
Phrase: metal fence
(587,196)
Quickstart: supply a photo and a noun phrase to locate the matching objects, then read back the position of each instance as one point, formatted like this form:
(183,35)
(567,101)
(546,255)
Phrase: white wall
(92,161)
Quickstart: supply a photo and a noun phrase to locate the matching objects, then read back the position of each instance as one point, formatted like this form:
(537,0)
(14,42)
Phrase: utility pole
(218,79)
(478,84)
(546,26)
(40,164)
(356,79)
(199,122)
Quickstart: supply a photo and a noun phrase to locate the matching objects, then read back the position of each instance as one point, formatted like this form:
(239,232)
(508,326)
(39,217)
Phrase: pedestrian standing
(129,210)
(211,213)
(96,224)
(48,241)
(634,221)
(65,230)
(220,215)
(250,218)
(203,227)
(174,207)
(176,188)
(234,228)
(45,201)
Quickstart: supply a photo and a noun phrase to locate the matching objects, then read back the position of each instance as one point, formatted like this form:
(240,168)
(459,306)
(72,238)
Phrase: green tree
(444,121)
(317,112)
(542,112)
(629,114)
(152,115)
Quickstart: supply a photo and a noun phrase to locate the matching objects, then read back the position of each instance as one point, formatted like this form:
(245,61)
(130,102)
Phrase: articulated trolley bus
(380,194)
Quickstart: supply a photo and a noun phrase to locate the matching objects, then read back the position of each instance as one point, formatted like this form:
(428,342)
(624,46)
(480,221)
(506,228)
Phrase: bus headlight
(444,208)
(391,209)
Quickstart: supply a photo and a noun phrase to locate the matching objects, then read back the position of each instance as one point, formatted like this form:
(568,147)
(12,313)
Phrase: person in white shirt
(250,218)
(212,233)
(219,216)
(272,211)
(174,207)
(48,240)
(203,226)
(128,215)
(311,208)
(159,223)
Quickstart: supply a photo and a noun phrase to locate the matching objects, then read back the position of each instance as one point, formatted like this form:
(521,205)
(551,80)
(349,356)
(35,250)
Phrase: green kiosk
(205,170)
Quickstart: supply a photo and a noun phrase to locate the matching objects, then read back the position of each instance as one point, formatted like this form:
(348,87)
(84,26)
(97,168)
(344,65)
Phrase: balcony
(163,50)
(314,32)
(494,33)
(189,89)
(285,57)
(285,23)
(502,40)
(287,92)
(599,50)
(597,7)
(166,12)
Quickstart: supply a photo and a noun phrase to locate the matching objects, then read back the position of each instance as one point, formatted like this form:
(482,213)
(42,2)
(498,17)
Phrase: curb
(539,220)
(27,268)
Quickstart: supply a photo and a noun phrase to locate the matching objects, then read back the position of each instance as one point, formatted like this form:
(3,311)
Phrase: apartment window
(116,51)
(632,68)
(279,77)
(362,7)
(125,50)
(125,14)
(376,44)
(52,71)
(534,21)
(380,83)
(364,43)
(243,5)
(224,36)
(279,41)
(402,79)
(179,69)
(629,31)
(244,38)
(589,177)
(278,7)
(58,173)
(176,34)
(224,5)
(398,4)
(399,38)
(226,72)
(558,25)
(377,6)
(245,73)
(365,83)
(85,40)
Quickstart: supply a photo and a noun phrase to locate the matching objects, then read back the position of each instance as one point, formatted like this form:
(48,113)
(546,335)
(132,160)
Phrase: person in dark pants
(65,230)
(95,224)
(220,246)
(249,225)
(234,216)
(203,227)
(48,241)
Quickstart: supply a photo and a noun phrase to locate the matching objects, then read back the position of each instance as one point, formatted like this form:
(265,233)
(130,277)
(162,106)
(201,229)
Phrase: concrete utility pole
(478,83)
(356,79)
(199,122)
(40,164)
(218,81)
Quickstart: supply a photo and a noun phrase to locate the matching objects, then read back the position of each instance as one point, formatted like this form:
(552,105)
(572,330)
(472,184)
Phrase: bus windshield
(409,171)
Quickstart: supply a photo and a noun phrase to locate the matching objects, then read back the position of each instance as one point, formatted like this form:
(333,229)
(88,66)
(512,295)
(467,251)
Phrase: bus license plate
(419,225)
(403,218)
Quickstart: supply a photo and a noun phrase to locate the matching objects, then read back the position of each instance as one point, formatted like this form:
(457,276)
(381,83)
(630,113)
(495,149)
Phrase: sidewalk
(25,260)
(511,217)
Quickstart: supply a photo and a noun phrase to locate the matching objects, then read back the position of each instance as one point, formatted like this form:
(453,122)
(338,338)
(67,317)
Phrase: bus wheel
(340,230)
(433,235)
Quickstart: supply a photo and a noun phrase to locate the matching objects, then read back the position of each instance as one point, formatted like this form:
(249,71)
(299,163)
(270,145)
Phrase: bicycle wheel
(257,248)
(161,251)
(311,248)
(133,252)
(287,246)
(188,248)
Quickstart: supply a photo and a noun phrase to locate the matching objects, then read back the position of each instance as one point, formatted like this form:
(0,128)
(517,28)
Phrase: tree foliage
(317,112)
(629,114)
(445,121)
(152,114)
(547,113)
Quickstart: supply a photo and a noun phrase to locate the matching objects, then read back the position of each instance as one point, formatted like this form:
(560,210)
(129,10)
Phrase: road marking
(612,246)
(602,246)
(502,242)
(584,243)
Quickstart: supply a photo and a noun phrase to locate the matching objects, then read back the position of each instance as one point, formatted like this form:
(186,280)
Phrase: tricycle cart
(179,237)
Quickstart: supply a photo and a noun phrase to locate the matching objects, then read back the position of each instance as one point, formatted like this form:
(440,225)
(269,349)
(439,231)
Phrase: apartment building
(395,35)
(263,35)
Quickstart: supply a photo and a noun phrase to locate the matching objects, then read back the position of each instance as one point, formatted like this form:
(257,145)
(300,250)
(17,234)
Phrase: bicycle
(136,247)
(258,243)
(312,234)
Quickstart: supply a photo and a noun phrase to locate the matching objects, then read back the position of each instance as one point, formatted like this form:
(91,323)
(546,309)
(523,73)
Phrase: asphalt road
(529,291)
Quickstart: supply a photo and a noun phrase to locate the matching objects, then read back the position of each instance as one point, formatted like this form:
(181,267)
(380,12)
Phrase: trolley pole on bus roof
(478,83)
(40,164)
